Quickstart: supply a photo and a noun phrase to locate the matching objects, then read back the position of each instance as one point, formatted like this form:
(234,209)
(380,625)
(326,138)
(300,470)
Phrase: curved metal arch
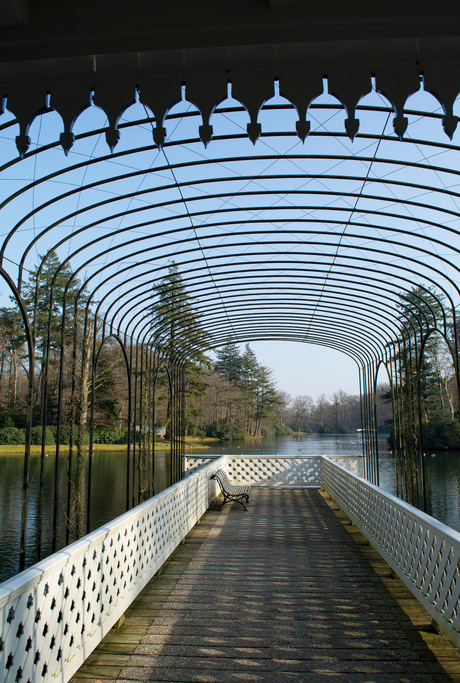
(319,335)
(95,364)
(273,230)
(189,345)
(252,333)
(414,272)
(355,311)
(276,242)
(176,166)
(97,184)
(351,352)
(255,320)
(29,416)
(453,351)
(265,306)
(55,276)
(292,284)
(280,288)
(299,252)
(382,364)
(381,330)
(305,273)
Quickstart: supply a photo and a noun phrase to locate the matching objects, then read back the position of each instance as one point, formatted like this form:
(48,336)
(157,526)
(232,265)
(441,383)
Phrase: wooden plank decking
(288,591)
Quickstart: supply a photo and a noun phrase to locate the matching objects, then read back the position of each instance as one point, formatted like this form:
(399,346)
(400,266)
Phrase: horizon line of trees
(232,398)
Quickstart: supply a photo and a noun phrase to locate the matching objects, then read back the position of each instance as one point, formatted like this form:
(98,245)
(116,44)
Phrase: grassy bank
(191,443)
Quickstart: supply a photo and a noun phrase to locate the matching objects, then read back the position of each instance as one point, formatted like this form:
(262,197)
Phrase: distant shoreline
(191,443)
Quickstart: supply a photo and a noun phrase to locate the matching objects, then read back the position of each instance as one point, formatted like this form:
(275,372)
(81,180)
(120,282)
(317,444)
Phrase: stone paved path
(287,591)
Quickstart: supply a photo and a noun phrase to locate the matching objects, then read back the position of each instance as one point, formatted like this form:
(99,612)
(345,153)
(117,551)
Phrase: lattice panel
(275,471)
(193,462)
(423,552)
(55,613)
(353,464)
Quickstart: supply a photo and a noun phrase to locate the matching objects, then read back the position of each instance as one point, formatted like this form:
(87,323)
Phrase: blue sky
(307,369)
(145,203)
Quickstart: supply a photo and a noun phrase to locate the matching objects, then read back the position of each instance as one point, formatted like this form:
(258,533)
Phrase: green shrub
(64,435)
(268,430)
(282,430)
(194,430)
(442,436)
(110,436)
(336,429)
(327,429)
(225,431)
(37,436)
(276,430)
(12,436)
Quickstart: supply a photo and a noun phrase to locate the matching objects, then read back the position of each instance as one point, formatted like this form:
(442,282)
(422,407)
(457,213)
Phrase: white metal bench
(231,492)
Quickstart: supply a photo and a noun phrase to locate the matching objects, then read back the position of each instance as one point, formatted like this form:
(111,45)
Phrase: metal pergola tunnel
(319,217)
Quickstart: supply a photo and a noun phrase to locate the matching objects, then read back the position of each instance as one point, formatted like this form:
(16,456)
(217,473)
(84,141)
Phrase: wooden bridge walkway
(288,591)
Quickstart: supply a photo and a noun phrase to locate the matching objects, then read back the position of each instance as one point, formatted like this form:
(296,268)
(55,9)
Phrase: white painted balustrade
(422,552)
(283,471)
(54,614)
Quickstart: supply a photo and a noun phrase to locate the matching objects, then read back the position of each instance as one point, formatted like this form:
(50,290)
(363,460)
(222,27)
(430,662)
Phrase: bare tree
(300,412)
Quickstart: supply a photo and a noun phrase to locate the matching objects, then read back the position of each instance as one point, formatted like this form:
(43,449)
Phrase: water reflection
(108,500)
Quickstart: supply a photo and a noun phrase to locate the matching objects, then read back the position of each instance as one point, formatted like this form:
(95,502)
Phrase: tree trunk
(82,420)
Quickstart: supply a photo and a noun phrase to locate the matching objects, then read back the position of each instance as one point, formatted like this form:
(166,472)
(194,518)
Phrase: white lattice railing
(54,614)
(268,470)
(423,552)
(283,471)
(274,470)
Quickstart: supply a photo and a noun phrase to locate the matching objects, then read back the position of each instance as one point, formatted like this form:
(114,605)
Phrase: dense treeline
(337,414)
(46,314)
(230,397)
(427,391)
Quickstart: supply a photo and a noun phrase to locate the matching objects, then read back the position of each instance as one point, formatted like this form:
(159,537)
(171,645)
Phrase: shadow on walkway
(288,591)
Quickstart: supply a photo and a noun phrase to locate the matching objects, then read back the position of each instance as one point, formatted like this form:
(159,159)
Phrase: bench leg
(227,499)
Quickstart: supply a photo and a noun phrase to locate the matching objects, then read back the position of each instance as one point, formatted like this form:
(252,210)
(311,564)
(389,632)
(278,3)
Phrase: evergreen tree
(39,307)
(229,363)
(177,329)
(12,352)
(43,296)
(267,399)
(248,384)
(259,398)
(176,322)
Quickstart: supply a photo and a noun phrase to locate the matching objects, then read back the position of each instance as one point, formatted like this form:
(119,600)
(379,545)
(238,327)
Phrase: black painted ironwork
(318,242)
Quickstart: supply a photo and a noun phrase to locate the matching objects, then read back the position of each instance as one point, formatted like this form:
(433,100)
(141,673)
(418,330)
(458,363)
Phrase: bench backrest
(222,477)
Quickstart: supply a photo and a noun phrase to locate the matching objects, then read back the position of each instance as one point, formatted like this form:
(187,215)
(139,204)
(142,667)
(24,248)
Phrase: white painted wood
(54,614)
(280,471)
(423,552)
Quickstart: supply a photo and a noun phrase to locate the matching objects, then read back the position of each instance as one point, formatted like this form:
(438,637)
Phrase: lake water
(442,477)
(442,472)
